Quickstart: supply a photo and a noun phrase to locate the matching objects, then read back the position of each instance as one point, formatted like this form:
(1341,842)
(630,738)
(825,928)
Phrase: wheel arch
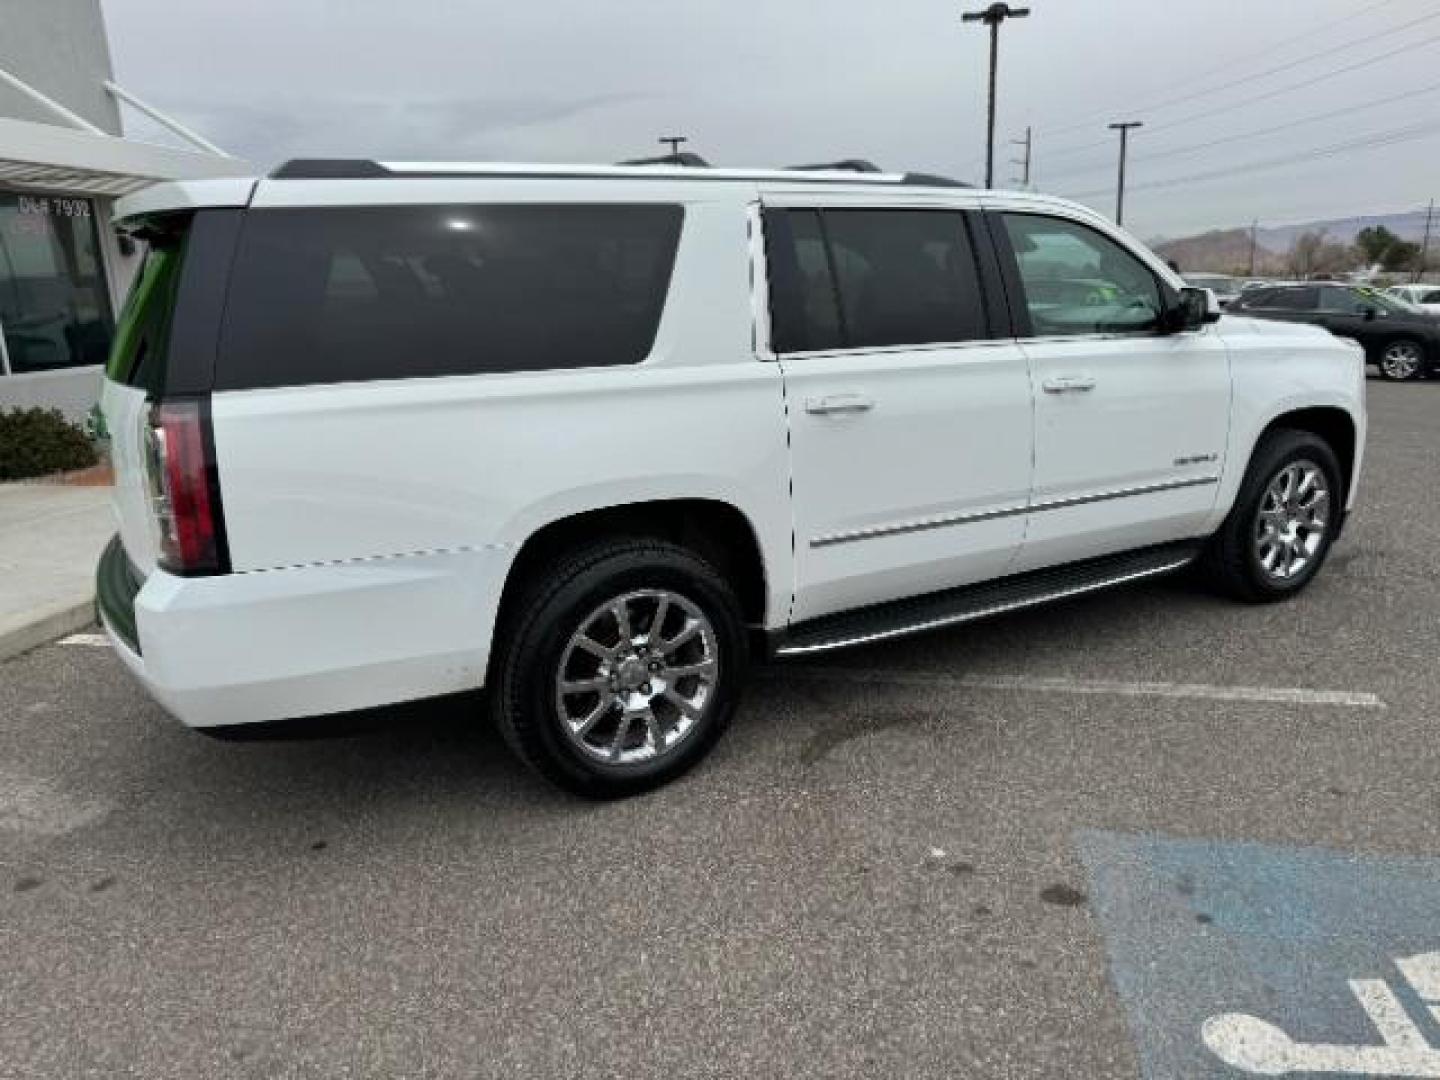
(1329,422)
(718,531)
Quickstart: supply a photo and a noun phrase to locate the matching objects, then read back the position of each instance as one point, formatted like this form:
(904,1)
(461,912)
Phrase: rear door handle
(839,403)
(1068,384)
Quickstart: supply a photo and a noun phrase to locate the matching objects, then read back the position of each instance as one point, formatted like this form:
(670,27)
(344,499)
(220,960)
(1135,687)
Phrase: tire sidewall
(1292,447)
(542,646)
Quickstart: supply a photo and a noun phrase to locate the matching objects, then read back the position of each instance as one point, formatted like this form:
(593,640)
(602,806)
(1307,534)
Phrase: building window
(53,305)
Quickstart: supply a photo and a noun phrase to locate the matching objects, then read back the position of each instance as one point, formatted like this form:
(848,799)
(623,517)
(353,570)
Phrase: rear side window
(857,279)
(138,350)
(1306,298)
(357,293)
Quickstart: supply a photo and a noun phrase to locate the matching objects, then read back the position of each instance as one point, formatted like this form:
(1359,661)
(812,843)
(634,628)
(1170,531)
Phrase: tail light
(184,489)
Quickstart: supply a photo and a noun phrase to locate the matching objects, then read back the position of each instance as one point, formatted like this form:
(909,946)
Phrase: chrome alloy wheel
(637,677)
(1293,520)
(1401,360)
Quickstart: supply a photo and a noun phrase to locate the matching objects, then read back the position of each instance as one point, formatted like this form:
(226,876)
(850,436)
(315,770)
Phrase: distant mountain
(1225,251)
(1228,250)
(1409,226)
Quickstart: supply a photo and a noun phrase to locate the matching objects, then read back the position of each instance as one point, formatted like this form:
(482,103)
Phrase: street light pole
(992,17)
(1123,127)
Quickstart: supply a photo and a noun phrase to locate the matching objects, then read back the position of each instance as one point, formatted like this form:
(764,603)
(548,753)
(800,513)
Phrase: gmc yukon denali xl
(592,437)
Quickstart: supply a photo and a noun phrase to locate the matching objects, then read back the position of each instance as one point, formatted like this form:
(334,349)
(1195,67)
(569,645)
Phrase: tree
(1374,241)
(1379,245)
(1312,255)
(1401,255)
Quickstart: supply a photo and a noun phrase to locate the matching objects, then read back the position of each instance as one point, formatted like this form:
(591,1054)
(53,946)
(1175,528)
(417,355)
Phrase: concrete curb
(45,627)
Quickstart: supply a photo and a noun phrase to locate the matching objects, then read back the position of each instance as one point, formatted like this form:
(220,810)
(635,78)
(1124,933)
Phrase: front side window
(1079,281)
(865,279)
(53,304)
(1342,301)
(388,292)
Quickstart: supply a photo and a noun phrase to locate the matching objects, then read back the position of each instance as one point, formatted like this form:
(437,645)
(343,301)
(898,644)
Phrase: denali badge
(1197,459)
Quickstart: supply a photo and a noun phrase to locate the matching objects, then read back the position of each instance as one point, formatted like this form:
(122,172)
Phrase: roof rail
(859,165)
(329,169)
(933,180)
(684,157)
(688,167)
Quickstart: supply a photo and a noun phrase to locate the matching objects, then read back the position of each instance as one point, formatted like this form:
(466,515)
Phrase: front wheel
(1276,536)
(1402,361)
(621,669)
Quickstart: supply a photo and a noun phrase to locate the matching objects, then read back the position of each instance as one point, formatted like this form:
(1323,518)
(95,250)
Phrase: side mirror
(1368,313)
(1195,308)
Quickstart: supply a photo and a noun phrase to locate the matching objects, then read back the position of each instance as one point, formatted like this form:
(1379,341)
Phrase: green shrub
(37,442)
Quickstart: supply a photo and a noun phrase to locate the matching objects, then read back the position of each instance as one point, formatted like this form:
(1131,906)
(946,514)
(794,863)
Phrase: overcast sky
(762,82)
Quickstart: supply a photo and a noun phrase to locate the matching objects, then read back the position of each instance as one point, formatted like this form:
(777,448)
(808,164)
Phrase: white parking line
(95,641)
(1280,695)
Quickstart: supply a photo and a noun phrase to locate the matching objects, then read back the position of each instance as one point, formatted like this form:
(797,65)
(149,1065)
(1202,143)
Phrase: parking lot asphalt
(893,866)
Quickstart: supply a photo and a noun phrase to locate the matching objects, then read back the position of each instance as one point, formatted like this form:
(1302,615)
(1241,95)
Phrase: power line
(1078,125)
(1388,99)
(1277,91)
(1379,139)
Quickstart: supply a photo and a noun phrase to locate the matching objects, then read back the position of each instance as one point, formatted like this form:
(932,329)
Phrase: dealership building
(64,270)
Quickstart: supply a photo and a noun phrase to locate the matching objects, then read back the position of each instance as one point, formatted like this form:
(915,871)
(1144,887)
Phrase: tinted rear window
(356,293)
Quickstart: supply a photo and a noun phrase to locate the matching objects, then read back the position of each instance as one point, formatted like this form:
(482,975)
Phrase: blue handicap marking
(1245,959)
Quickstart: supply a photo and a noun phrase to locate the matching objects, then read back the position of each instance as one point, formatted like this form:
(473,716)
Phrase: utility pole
(1025,161)
(1425,243)
(1123,127)
(992,17)
(1254,224)
(674,141)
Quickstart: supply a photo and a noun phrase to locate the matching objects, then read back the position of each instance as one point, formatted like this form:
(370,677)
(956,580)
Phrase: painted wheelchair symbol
(1259,1047)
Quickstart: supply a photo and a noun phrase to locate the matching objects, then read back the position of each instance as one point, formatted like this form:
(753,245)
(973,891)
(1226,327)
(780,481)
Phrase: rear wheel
(1402,360)
(620,670)
(1276,536)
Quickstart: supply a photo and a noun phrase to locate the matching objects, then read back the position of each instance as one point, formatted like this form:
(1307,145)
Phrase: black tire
(1231,562)
(1396,373)
(535,635)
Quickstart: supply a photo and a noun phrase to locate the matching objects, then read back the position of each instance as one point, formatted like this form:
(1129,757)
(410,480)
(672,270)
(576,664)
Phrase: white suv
(591,437)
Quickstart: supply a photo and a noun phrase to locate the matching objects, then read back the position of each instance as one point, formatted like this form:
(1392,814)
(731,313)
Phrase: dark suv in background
(1402,341)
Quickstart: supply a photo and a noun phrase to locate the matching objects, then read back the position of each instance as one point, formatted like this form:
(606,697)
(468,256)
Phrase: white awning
(58,160)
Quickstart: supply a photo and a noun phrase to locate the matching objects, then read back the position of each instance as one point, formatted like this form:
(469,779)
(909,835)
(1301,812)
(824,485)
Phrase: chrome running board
(953,606)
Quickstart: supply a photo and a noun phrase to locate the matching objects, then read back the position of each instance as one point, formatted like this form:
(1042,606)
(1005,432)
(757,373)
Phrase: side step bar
(934,610)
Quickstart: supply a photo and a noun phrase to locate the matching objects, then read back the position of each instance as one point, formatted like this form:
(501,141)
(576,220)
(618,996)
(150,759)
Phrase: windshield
(1387,301)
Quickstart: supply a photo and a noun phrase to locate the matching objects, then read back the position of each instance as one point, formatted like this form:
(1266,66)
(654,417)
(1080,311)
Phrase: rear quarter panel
(359,471)
(1279,368)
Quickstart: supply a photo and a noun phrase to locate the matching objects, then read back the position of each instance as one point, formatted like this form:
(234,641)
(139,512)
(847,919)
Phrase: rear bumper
(272,645)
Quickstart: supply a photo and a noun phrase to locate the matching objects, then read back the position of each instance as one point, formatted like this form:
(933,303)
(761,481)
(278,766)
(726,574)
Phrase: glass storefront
(54,308)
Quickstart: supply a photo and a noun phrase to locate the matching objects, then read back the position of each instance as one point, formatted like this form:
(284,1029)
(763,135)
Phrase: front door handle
(839,403)
(1068,384)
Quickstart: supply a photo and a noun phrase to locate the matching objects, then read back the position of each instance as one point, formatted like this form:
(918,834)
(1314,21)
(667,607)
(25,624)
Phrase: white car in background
(1225,287)
(1425,297)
